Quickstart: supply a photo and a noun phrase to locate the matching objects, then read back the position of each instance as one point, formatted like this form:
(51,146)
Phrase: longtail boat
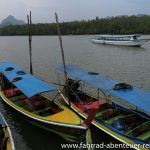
(124,40)
(6,140)
(25,94)
(127,125)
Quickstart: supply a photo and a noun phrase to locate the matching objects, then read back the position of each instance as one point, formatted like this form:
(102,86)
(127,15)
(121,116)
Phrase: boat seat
(131,119)
(11,92)
(80,105)
(99,114)
(109,113)
(28,108)
(101,110)
(42,110)
(141,129)
(55,108)
(18,98)
(94,104)
(137,132)
(20,103)
(37,102)
(144,136)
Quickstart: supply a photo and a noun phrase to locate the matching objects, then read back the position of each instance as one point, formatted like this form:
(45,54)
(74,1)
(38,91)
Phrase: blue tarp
(136,96)
(29,85)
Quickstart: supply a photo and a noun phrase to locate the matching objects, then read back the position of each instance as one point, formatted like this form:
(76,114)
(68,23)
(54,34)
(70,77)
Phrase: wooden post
(63,57)
(61,46)
(30,41)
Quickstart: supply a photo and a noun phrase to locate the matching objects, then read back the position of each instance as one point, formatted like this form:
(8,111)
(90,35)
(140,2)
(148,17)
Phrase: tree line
(109,25)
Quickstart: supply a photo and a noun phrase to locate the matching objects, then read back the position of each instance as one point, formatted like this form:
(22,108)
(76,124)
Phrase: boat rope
(55,97)
(75,95)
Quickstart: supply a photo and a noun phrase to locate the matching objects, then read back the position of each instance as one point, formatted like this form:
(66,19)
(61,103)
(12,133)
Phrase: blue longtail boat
(127,125)
(24,93)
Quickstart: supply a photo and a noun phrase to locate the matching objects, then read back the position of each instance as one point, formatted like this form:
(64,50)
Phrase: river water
(127,64)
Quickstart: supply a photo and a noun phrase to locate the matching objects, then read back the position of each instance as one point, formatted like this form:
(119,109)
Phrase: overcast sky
(68,10)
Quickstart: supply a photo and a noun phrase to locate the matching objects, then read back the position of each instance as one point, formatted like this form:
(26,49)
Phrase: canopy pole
(30,41)
(62,54)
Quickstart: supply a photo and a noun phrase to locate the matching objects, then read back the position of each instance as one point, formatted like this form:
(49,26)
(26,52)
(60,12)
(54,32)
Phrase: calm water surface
(128,64)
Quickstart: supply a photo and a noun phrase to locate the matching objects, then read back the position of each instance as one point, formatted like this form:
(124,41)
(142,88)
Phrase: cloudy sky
(68,10)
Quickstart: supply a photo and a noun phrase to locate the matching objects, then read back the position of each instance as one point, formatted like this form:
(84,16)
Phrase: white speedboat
(125,40)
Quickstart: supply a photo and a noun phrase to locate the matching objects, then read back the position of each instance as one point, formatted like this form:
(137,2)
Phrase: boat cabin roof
(135,96)
(24,81)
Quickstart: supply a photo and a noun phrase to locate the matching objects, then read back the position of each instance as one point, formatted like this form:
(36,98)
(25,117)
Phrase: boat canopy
(135,96)
(25,82)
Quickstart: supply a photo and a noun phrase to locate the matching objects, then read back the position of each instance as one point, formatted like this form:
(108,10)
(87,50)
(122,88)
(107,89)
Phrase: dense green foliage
(112,25)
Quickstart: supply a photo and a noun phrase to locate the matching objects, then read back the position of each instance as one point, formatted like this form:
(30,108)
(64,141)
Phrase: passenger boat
(24,93)
(6,140)
(125,40)
(127,125)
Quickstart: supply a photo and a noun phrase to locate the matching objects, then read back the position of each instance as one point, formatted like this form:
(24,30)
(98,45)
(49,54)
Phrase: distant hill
(11,20)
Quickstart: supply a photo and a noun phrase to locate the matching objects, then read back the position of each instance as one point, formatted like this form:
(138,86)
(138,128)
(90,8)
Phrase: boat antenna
(30,40)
